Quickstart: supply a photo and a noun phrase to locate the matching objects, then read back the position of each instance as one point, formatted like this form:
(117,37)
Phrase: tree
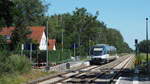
(115,38)
(7,12)
(83,26)
(143,46)
(80,25)
(29,13)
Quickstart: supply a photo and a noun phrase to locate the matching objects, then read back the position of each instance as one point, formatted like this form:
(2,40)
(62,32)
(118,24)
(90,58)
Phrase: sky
(127,16)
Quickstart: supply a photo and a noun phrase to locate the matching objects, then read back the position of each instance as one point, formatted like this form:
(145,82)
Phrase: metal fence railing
(39,56)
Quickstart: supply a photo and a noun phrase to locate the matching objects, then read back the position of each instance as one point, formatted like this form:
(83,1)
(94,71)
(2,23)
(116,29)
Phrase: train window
(96,53)
(98,49)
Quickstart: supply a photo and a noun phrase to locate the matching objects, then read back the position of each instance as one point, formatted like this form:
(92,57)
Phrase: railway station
(74,42)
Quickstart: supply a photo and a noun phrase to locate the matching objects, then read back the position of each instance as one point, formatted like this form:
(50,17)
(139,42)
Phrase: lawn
(142,57)
(18,79)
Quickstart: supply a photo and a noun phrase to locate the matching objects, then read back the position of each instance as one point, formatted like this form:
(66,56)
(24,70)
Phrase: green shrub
(14,64)
(20,64)
(5,53)
(11,66)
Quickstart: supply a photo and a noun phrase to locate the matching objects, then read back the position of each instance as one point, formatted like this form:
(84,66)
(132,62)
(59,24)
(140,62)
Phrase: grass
(18,79)
(143,57)
(34,74)
(83,58)
(144,70)
(122,54)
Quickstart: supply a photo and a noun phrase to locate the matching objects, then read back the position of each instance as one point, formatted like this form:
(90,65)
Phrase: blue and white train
(102,53)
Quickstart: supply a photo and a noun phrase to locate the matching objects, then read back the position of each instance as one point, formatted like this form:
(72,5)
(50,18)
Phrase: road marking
(135,80)
(118,80)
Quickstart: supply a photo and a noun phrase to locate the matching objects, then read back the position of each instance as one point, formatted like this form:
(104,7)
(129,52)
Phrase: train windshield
(97,51)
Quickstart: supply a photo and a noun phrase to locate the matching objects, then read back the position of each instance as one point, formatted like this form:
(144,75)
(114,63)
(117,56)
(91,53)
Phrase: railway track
(102,72)
(61,74)
(90,74)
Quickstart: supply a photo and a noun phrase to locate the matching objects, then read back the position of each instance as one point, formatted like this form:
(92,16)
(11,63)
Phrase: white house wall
(54,48)
(43,42)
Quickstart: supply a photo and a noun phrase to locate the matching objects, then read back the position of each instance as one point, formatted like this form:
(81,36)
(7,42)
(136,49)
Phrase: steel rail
(53,76)
(103,73)
(124,66)
(106,66)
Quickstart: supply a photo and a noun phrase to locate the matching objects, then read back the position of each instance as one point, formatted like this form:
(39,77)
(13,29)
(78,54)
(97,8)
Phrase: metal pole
(79,40)
(74,50)
(137,58)
(30,51)
(147,40)
(37,56)
(47,68)
(79,36)
(62,43)
(22,48)
(89,46)
(136,42)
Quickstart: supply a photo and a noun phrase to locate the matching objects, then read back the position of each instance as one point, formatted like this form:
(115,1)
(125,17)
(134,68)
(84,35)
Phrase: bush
(20,64)
(14,64)
(5,53)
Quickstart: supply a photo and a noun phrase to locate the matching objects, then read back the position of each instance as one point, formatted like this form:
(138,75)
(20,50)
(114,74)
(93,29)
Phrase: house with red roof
(38,34)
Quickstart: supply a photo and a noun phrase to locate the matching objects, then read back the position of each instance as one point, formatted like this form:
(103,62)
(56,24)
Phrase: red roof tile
(51,44)
(6,31)
(37,32)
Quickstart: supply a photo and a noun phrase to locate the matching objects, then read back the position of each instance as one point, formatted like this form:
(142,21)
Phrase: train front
(98,55)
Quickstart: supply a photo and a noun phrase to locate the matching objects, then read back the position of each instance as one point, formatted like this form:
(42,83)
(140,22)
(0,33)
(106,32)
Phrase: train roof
(104,45)
(101,45)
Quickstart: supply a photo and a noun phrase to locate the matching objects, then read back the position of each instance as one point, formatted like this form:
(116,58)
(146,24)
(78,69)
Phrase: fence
(54,57)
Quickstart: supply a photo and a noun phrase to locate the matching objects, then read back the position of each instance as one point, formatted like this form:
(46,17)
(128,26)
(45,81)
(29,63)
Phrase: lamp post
(47,67)
(147,41)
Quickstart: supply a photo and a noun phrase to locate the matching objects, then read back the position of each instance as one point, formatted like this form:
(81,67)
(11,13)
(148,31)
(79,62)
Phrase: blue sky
(127,16)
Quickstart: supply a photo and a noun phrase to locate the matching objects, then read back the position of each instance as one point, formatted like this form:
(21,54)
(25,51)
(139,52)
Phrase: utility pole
(62,34)
(79,36)
(47,68)
(74,50)
(147,41)
(89,46)
(22,48)
(30,51)
(79,40)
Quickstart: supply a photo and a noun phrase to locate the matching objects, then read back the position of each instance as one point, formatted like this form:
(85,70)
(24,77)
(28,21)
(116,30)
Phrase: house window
(7,37)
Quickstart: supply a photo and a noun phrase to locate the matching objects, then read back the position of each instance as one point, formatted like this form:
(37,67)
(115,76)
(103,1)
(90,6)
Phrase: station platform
(133,80)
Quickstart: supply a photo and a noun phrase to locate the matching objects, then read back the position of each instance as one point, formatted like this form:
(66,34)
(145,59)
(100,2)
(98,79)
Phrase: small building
(38,34)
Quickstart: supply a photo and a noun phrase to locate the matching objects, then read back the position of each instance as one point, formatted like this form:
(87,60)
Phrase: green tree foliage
(3,43)
(30,12)
(143,46)
(7,12)
(13,64)
(83,26)
(115,38)
(79,27)
(126,48)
